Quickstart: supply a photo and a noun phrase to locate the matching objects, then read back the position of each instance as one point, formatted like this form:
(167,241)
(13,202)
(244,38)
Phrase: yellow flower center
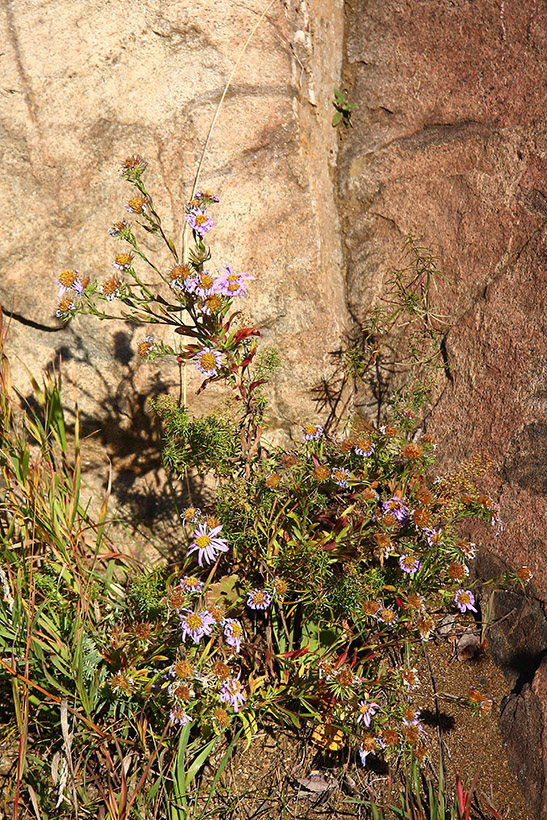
(387,615)
(67,278)
(123,259)
(136,204)
(208,361)
(194,621)
(236,630)
(259,598)
(201,219)
(203,541)
(191,581)
(310,429)
(206,281)
(213,302)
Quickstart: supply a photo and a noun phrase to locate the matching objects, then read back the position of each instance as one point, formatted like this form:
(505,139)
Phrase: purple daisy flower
(367,747)
(396,507)
(200,284)
(465,599)
(387,615)
(364,447)
(191,584)
(69,282)
(196,624)
(366,712)
(434,537)
(258,599)
(409,563)
(208,361)
(178,715)
(340,476)
(311,431)
(232,692)
(199,220)
(62,309)
(233,632)
(206,543)
(230,284)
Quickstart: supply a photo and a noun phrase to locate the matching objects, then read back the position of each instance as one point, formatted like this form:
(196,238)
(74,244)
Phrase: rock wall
(84,84)
(450,142)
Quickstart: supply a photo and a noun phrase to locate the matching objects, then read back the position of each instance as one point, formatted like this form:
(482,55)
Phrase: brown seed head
(345,677)
(412,734)
(280,586)
(182,692)
(414,601)
(370,607)
(390,431)
(321,472)
(221,670)
(143,348)
(179,272)
(288,460)
(382,540)
(390,737)
(413,451)
(425,625)
(273,480)
(421,517)
(347,445)
(183,670)
(217,612)
(424,495)
(368,494)
(175,598)
(143,631)
(524,575)
(456,571)
(134,162)
(111,286)
(222,717)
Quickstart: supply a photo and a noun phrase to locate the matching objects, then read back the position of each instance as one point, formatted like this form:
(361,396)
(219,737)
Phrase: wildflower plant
(308,587)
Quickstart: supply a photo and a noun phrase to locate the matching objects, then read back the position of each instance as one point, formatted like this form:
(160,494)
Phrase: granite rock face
(450,142)
(523,725)
(84,84)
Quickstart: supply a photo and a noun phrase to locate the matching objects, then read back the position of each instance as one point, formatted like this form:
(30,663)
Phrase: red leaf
(296,653)
(245,332)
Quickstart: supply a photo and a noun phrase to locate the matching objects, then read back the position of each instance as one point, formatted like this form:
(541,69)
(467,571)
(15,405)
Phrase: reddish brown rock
(450,142)
(523,725)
